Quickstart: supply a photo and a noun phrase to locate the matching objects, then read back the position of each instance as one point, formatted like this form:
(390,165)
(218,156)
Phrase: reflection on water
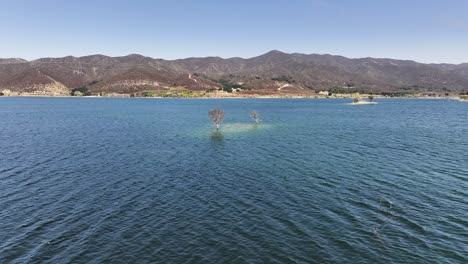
(217,136)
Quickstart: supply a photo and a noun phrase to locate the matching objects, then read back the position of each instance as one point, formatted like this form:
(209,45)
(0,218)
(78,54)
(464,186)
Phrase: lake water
(95,180)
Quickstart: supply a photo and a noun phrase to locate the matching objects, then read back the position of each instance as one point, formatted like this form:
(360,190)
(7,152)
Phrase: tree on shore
(356,98)
(77,93)
(217,116)
(255,116)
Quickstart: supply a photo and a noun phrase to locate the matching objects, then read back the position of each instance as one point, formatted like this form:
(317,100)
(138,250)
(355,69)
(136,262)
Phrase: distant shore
(363,102)
(183,92)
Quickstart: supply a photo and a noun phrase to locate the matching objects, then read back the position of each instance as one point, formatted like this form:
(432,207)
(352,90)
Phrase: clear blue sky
(421,30)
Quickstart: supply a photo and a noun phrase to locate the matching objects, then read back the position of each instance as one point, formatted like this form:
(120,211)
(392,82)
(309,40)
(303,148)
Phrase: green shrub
(77,93)
(81,91)
(148,94)
(228,85)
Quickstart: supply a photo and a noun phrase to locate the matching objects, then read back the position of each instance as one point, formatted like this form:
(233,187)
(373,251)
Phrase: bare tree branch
(255,116)
(217,116)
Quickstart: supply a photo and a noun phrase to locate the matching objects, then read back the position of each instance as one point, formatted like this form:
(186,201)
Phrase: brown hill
(271,71)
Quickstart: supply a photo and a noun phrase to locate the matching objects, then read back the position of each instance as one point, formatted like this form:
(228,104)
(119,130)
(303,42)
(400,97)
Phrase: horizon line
(226,58)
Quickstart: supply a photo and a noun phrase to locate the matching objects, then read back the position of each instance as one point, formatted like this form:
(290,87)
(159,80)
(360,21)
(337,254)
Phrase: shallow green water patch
(231,129)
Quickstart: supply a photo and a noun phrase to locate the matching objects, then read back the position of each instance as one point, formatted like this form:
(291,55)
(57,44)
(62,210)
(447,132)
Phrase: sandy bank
(363,103)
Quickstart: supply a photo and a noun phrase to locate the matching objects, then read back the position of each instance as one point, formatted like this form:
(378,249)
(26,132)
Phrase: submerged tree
(217,116)
(255,116)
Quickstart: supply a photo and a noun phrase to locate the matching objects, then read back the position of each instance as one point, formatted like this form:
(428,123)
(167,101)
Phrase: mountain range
(134,74)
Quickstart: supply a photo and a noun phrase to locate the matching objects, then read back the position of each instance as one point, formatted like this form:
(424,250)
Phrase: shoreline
(237,97)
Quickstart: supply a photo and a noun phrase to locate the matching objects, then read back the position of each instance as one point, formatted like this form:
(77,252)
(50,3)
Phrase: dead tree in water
(255,116)
(217,116)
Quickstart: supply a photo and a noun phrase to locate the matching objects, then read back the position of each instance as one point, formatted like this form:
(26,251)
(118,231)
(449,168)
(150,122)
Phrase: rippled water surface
(93,180)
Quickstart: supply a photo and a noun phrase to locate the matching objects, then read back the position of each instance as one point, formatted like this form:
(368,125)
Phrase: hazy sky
(425,31)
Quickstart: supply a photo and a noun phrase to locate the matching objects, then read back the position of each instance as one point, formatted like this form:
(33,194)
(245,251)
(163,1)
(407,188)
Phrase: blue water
(94,180)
